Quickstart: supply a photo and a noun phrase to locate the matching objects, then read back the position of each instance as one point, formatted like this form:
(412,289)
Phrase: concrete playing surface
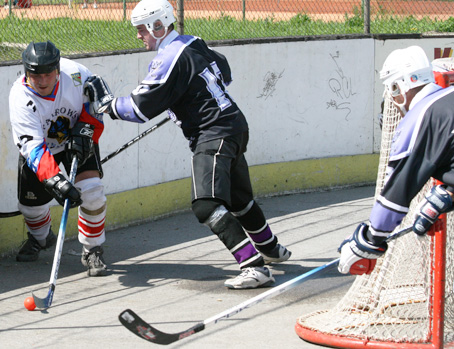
(171,273)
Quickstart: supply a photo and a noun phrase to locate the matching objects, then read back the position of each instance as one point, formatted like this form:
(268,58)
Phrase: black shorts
(31,192)
(220,171)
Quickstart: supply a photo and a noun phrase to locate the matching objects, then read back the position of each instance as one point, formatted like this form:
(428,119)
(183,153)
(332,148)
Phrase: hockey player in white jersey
(51,122)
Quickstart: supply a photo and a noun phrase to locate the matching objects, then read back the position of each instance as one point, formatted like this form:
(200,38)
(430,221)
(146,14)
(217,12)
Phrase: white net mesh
(394,303)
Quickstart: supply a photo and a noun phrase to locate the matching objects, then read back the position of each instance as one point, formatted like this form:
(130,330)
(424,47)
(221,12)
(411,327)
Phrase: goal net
(407,301)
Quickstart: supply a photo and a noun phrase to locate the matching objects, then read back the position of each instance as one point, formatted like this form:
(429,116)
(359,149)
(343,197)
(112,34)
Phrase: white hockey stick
(141,328)
(44,303)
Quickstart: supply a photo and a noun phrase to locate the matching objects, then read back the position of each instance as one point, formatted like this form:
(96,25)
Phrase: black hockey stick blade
(139,327)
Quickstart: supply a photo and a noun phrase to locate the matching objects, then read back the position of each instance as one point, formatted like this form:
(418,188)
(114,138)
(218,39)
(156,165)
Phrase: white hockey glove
(99,94)
(435,203)
(358,256)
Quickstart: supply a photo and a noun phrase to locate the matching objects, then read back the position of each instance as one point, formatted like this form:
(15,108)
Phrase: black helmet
(41,57)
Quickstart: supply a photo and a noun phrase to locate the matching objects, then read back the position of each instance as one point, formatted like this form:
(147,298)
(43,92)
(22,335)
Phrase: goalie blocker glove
(358,255)
(80,142)
(438,201)
(61,189)
(99,94)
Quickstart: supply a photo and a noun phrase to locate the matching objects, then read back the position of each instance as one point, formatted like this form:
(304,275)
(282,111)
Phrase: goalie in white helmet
(189,79)
(423,147)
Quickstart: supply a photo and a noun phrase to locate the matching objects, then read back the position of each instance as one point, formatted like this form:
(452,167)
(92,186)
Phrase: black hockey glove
(99,94)
(80,142)
(61,189)
(435,203)
(358,255)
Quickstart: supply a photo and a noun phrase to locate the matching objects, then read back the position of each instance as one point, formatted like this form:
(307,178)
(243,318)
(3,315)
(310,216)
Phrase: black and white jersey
(422,147)
(188,79)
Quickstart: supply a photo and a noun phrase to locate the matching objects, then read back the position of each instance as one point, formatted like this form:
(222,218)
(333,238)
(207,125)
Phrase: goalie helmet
(147,12)
(41,57)
(405,69)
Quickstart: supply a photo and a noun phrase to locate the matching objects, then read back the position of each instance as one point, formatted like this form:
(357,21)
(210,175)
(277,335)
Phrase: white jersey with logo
(41,124)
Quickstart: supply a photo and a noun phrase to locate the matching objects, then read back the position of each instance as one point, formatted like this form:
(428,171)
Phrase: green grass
(84,36)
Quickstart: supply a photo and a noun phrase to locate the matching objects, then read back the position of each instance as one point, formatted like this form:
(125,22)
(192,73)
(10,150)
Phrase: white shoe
(95,6)
(251,278)
(277,255)
(84,6)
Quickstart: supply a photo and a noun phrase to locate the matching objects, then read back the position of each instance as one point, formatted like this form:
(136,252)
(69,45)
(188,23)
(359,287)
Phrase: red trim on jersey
(50,97)
(85,116)
(47,167)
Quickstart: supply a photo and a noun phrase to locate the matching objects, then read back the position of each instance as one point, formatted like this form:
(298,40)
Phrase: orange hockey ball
(29,303)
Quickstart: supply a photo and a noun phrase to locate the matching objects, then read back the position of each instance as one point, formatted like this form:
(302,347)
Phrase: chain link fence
(93,26)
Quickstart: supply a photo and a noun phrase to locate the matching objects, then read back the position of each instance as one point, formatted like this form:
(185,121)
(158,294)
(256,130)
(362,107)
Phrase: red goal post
(408,300)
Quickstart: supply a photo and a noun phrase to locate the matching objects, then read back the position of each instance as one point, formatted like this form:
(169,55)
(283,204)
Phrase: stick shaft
(134,140)
(277,290)
(46,302)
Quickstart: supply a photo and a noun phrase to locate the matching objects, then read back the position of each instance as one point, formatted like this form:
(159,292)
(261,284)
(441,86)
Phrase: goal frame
(438,234)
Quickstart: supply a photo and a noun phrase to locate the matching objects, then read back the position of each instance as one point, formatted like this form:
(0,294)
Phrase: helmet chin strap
(401,106)
(158,40)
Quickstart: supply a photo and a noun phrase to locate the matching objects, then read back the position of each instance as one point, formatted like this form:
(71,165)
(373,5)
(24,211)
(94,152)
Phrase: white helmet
(147,12)
(407,68)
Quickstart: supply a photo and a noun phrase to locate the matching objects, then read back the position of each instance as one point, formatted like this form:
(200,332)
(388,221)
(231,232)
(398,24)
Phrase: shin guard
(253,221)
(231,233)
(37,219)
(92,213)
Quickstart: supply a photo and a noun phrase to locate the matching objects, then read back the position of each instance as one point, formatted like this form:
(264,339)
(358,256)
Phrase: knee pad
(31,212)
(92,194)
(203,208)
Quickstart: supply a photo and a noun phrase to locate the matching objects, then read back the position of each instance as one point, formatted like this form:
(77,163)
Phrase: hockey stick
(138,326)
(108,157)
(141,328)
(134,140)
(44,303)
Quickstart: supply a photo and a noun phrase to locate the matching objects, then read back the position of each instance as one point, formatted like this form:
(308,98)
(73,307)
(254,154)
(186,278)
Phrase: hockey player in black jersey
(422,147)
(188,79)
